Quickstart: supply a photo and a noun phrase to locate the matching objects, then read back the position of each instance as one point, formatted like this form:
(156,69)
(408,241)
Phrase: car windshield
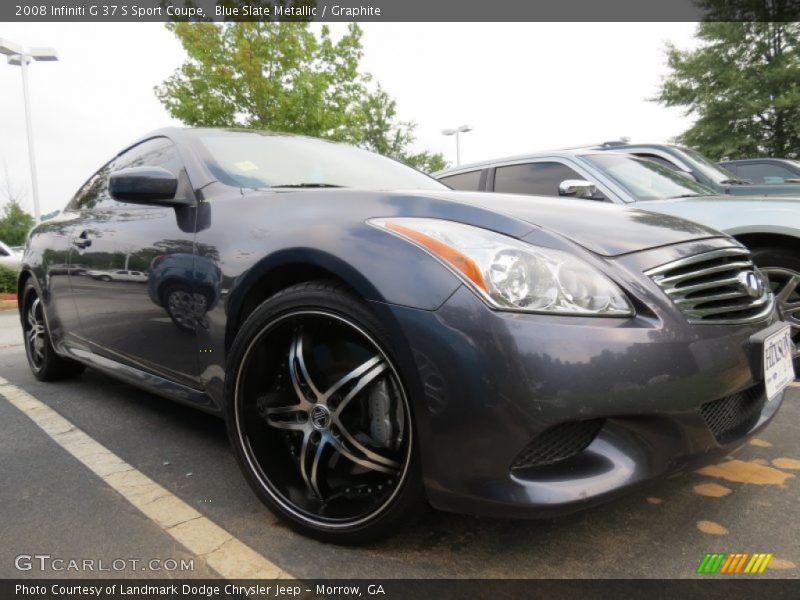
(710,169)
(262,160)
(646,179)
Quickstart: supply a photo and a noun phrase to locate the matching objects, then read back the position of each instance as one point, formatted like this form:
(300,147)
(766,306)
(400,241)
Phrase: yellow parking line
(224,553)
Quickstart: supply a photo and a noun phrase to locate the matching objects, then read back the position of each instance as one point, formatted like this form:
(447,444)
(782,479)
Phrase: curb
(8,305)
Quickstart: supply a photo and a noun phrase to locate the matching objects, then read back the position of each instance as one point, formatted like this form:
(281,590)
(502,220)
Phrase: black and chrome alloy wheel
(322,421)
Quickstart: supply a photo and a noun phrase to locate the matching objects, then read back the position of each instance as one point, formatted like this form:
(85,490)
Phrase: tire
(782,268)
(339,465)
(105,278)
(45,364)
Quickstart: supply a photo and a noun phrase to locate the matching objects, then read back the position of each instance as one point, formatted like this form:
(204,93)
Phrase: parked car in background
(692,164)
(9,258)
(117,275)
(769,227)
(374,339)
(764,170)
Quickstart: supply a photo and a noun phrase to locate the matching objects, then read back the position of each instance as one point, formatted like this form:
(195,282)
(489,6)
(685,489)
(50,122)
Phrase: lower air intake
(558,443)
(732,417)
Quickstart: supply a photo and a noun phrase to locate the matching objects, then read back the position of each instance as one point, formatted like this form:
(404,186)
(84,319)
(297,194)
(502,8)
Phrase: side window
(537,179)
(765,173)
(155,152)
(93,191)
(467,182)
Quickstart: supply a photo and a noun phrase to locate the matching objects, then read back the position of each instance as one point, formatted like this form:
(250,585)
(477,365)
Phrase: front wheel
(319,418)
(782,269)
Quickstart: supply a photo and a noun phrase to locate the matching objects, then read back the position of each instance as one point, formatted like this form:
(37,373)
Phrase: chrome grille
(721,286)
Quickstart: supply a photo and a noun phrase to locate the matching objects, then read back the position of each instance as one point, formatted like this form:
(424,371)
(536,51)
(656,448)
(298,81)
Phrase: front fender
(383,269)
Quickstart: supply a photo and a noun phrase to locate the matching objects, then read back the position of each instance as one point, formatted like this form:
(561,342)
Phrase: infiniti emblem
(320,417)
(751,283)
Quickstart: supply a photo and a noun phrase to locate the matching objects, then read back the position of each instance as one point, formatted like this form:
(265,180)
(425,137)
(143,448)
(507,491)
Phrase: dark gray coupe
(375,340)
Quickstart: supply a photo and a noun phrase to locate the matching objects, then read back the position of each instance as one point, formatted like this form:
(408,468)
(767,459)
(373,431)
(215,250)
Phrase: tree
(282,77)
(15,223)
(380,133)
(743,85)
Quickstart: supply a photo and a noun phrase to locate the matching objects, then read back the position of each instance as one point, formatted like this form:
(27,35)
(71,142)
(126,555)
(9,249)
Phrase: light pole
(22,58)
(457,132)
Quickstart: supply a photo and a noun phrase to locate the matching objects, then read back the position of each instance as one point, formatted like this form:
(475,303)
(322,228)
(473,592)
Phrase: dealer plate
(778,367)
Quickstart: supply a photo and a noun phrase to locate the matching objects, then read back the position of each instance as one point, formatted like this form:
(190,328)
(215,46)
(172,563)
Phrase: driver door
(134,319)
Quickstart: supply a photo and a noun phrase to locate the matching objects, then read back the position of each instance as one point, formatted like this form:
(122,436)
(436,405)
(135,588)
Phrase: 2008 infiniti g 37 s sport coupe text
(375,340)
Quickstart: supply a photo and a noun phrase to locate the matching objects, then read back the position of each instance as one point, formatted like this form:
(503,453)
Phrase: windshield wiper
(688,196)
(736,182)
(307,185)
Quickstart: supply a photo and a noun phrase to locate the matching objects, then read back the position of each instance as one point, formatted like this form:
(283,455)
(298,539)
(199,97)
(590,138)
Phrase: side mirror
(145,185)
(579,188)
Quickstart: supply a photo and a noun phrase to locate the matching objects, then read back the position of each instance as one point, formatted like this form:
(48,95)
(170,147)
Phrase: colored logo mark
(740,562)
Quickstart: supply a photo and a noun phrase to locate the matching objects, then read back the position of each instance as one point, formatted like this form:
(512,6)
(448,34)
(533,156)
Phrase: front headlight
(512,275)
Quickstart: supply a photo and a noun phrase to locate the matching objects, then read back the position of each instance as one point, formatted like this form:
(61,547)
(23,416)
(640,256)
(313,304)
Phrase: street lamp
(456,132)
(20,57)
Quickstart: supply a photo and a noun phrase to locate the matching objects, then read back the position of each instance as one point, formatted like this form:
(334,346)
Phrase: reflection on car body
(187,287)
(117,275)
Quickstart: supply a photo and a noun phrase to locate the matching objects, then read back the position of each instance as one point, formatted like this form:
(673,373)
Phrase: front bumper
(487,383)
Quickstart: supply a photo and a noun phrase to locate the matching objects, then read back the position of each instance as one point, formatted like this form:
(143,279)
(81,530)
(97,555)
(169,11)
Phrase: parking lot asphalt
(51,503)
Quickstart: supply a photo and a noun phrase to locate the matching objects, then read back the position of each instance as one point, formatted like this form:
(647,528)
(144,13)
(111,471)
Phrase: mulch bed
(5,296)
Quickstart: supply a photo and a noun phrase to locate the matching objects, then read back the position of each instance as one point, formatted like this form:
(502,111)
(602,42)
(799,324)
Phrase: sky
(522,87)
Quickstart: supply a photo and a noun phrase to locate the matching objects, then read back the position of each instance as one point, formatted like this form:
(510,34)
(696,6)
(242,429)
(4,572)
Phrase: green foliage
(743,85)
(281,77)
(380,133)
(8,280)
(15,223)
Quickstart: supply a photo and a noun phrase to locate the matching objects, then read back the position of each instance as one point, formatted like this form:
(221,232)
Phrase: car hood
(600,227)
(733,201)
(735,214)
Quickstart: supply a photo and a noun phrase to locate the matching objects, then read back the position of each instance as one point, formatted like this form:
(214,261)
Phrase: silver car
(9,257)
(768,226)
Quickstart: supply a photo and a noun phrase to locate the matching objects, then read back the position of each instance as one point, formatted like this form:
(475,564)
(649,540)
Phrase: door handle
(82,241)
